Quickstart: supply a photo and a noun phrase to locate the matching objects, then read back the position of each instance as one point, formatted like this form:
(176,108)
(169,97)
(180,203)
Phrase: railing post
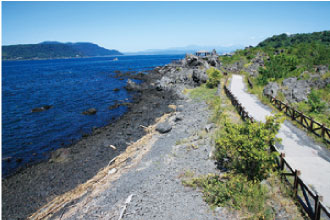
(295,184)
(282,155)
(323,131)
(317,208)
(311,125)
(293,114)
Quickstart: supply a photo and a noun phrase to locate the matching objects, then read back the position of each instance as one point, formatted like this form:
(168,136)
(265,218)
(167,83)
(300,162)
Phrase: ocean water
(71,86)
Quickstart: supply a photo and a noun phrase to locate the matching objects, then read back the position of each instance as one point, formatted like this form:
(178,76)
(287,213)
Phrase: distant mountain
(188,49)
(53,49)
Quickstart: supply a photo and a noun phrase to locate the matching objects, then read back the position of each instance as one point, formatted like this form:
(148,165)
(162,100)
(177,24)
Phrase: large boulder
(289,82)
(213,61)
(163,127)
(199,76)
(164,83)
(194,61)
(295,90)
(300,91)
(318,83)
(191,60)
(271,89)
(321,69)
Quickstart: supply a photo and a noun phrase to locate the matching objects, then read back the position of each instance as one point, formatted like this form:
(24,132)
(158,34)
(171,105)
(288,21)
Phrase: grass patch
(234,191)
(202,93)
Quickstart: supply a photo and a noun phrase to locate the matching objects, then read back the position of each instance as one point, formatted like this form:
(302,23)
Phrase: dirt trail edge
(145,183)
(301,151)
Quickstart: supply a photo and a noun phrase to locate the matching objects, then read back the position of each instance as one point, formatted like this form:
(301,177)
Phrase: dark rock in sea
(163,127)
(130,85)
(116,89)
(91,111)
(85,135)
(117,105)
(114,106)
(19,160)
(7,159)
(42,108)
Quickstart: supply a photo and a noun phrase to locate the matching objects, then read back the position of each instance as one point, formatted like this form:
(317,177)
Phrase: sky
(137,26)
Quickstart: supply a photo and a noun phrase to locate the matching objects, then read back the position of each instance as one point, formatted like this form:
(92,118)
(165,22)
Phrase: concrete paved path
(301,151)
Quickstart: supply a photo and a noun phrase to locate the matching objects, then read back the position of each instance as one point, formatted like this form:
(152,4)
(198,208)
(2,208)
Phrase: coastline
(26,191)
(160,93)
(59,58)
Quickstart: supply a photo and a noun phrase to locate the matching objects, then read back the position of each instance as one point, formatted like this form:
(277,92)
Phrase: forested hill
(52,50)
(285,40)
(295,69)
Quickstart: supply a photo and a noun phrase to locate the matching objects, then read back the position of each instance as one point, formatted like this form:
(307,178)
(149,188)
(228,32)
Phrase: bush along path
(246,184)
(301,152)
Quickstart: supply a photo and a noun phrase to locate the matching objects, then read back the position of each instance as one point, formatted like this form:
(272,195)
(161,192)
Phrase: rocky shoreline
(159,93)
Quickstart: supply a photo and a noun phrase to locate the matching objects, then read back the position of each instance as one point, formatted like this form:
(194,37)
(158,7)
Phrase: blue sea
(71,86)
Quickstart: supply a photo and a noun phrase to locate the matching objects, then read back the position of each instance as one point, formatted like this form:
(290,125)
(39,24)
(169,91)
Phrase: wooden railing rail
(302,192)
(307,122)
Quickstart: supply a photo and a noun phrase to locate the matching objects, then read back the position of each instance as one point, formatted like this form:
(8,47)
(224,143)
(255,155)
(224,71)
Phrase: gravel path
(156,182)
(301,151)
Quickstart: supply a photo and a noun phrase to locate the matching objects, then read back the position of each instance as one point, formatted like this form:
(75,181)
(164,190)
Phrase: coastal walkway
(301,152)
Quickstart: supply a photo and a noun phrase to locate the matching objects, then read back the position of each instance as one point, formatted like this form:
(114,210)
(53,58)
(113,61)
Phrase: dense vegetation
(50,50)
(285,56)
(284,40)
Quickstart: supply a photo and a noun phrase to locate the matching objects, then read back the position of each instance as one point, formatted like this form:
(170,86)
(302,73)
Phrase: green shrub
(214,77)
(315,103)
(234,191)
(203,93)
(279,66)
(244,147)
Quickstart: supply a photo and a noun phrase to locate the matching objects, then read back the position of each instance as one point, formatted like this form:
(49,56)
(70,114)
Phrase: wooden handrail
(318,206)
(294,114)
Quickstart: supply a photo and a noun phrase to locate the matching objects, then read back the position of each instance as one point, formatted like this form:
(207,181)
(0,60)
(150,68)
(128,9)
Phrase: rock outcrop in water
(42,108)
(91,111)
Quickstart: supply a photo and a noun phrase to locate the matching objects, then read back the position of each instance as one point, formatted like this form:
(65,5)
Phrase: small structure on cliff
(203,53)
